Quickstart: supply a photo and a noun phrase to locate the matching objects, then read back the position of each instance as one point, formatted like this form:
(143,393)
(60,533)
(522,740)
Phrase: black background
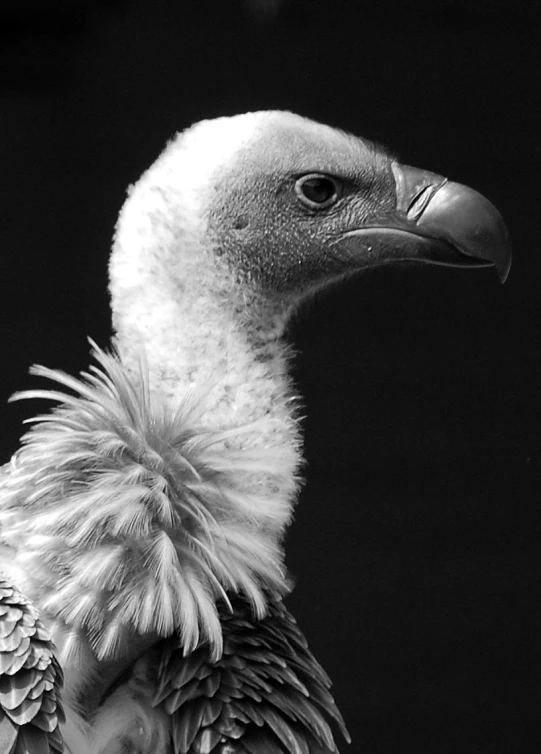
(415,546)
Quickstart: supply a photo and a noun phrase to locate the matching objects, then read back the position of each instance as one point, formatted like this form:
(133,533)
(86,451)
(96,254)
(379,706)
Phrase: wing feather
(30,679)
(266,692)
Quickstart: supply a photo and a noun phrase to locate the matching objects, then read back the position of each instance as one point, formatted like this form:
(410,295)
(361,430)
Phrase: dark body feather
(30,680)
(266,693)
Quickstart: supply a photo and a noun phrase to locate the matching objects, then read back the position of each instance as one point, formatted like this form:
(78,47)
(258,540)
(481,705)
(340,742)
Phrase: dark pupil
(318,190)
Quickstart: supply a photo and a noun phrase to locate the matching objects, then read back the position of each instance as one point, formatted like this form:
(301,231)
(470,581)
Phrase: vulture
(142,519)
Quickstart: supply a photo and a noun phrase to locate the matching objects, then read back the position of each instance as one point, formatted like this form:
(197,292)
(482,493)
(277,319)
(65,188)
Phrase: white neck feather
(177,303)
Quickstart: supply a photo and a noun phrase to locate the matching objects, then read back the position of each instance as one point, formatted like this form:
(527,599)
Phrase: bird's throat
(197,340)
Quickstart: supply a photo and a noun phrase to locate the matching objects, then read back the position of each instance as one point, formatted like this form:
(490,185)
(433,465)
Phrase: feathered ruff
(126,516)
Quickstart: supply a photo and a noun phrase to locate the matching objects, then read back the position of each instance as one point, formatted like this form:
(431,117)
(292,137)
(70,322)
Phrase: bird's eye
(317,191)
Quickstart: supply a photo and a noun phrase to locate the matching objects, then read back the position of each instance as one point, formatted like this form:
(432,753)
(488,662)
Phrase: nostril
(421,200)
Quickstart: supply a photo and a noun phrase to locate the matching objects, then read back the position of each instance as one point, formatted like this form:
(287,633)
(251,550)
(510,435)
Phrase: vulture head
(188,442)
(241,218)
(268,206)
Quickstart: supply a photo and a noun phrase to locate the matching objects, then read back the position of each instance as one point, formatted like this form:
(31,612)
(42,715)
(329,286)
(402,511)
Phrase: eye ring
(317,190)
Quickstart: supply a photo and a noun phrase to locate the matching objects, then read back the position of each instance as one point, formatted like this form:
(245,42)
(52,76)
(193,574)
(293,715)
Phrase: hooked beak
(436,221)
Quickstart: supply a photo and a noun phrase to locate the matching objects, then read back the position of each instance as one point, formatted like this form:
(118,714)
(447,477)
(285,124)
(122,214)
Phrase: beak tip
(504,267)
(472,223)
(506,260)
